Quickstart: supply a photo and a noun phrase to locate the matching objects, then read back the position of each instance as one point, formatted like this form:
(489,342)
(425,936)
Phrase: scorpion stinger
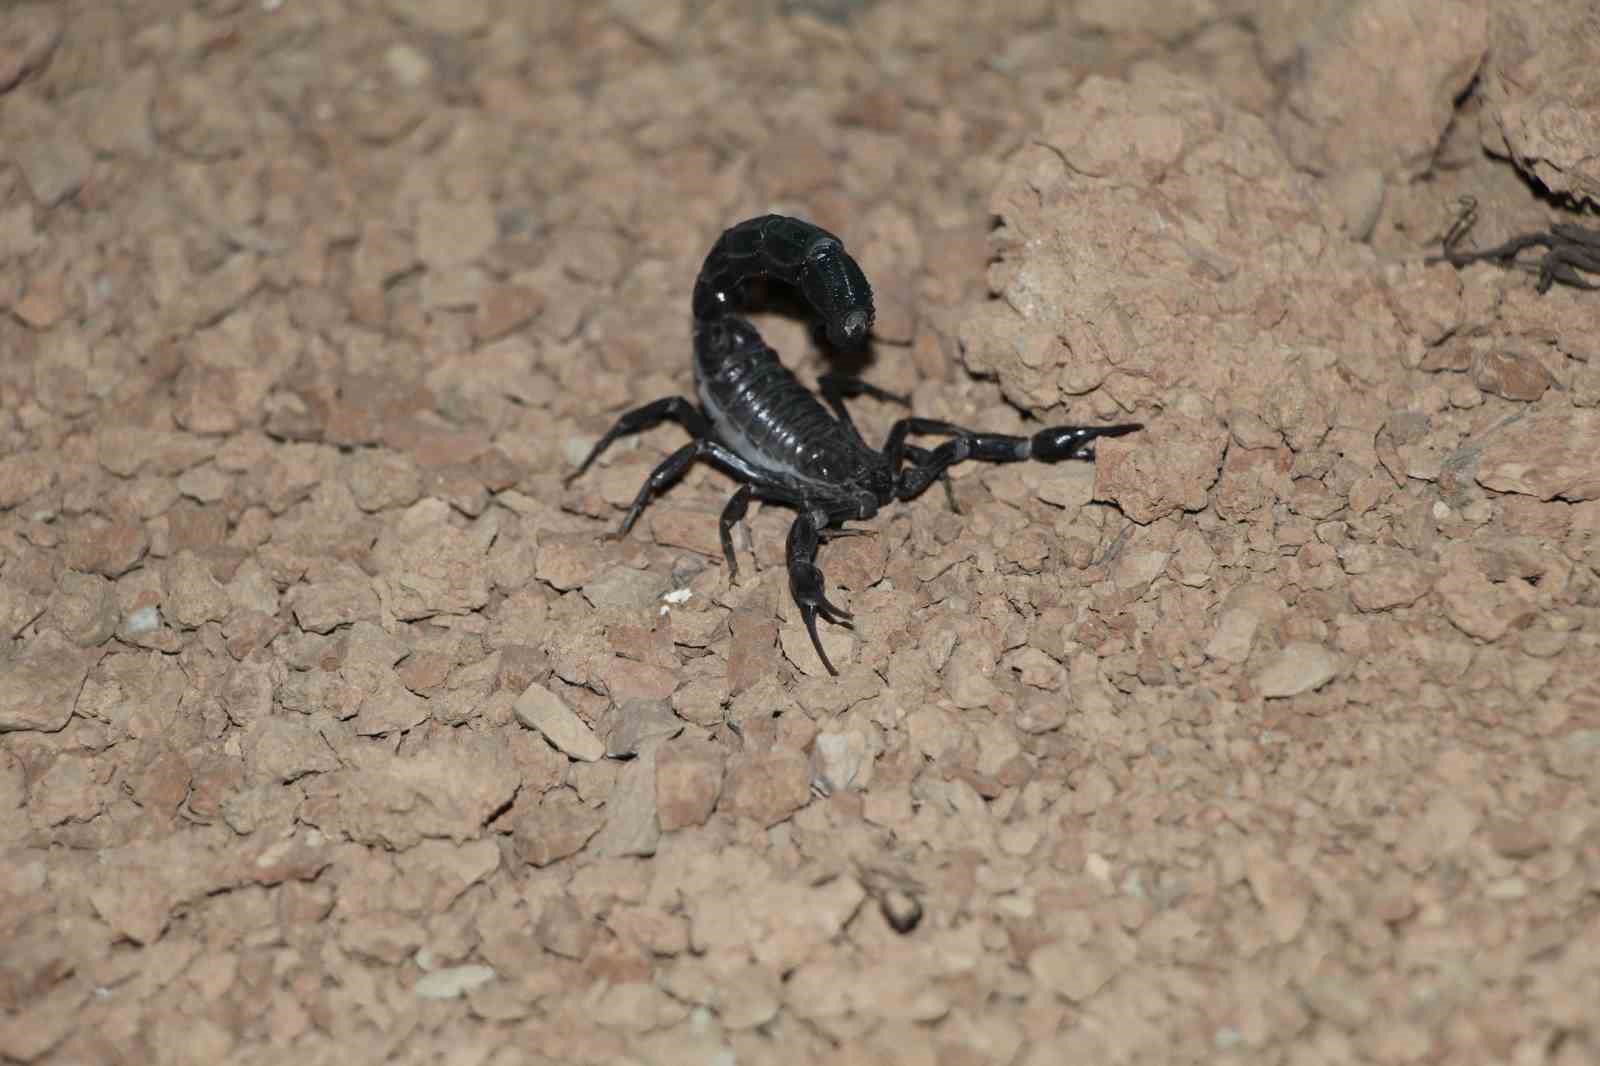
(760,425)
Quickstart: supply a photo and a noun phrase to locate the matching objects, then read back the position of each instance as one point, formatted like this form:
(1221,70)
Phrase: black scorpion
(758,423)
(1569,248)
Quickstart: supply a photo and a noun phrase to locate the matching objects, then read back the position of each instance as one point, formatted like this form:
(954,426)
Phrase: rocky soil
(332,729)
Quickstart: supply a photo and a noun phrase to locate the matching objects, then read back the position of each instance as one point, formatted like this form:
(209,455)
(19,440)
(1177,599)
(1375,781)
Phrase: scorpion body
(758,423)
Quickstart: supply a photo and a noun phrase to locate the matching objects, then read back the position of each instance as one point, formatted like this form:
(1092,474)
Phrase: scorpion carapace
(759,424)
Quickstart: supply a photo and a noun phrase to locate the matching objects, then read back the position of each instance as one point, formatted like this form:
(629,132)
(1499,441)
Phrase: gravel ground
(332,730)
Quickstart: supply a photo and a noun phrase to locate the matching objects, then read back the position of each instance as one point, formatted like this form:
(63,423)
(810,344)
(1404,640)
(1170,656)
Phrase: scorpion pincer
(759,424)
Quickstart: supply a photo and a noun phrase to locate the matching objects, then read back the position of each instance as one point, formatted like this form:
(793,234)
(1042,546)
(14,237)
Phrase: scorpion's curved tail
(796,253)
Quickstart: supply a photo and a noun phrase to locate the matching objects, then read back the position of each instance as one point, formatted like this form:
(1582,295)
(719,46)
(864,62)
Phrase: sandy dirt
(332,730)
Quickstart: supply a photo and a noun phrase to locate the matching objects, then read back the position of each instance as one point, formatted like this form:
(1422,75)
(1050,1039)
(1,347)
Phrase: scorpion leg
(732,515)
(836,388)
(922,456)
(806,583)
(1569,248)
(670,409)
(673,467)
(1573,233)
(1048,446)
(1562,263)
(670,470)
(1564,256)
(1504,254)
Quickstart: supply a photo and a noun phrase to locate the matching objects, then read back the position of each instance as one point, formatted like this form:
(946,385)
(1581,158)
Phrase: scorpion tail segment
(790,251)
(835,285)
(1073,442)
(727,336)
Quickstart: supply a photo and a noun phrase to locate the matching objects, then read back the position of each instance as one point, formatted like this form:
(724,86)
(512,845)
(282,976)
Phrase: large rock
(40,683)
(1159,255)
(1376,82)
(1541,91)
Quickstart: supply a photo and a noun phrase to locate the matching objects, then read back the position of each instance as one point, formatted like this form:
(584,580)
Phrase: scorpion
(758,423)
(1569,248)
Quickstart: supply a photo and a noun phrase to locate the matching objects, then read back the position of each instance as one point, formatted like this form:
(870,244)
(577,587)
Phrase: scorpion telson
(759,424)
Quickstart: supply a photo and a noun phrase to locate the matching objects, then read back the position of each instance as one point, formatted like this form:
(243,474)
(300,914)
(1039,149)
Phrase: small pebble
(452,982)
(539,708)
(901,910)
(142,621)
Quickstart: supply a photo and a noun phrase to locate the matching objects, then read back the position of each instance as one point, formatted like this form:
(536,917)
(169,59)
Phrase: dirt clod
(539,708)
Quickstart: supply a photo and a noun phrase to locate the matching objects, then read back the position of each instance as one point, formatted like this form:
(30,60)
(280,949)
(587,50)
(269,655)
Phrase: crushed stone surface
(333,729)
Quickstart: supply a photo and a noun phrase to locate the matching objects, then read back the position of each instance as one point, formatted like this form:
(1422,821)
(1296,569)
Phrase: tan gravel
(332,729)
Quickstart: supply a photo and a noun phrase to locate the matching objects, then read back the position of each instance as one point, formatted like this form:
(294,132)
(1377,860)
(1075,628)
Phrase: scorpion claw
(837,615)
(1073,442)
(808,613)
(806,585)
(849,531)
(809,595)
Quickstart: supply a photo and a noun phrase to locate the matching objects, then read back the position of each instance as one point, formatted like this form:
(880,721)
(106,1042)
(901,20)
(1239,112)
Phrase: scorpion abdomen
(765,414)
